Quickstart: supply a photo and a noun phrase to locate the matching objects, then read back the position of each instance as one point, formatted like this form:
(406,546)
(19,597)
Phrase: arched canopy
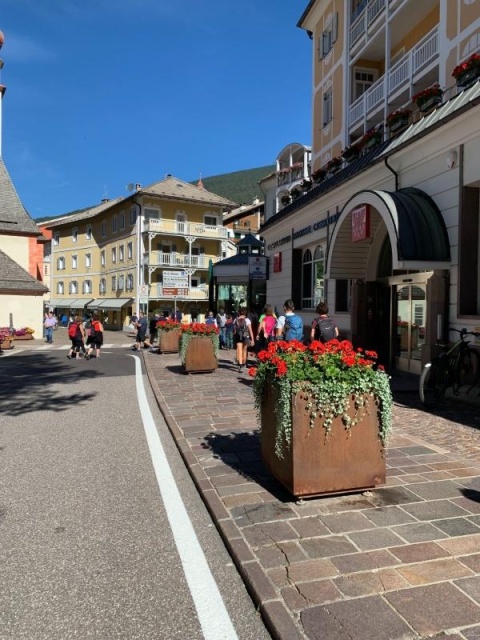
(413,222)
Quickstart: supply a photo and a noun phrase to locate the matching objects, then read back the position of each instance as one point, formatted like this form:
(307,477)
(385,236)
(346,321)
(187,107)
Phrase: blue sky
(102,93)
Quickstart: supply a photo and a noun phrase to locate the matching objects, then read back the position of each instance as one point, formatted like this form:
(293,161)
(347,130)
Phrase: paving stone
(416,450)
(419,532)
(461,546)
(434,608)
(470,634)
(325,547)
(370,560)
(309,570)
(437,509)
(278,531)
(309,527)
(471,586)
(375,539)
(354,619)
(364,584)
(472,562)
(392,496)
(245,516)
(293,598)
(433,571)
(437,490)
(388,516)
(270,557)
(471,505)
(419,552)
(457,526)
(319,591)
(341,523)
(244,499)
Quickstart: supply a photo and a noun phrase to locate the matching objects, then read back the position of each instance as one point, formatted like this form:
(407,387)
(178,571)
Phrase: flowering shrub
(435,91)
(168,325)
(319,175)
(471,63)
(399,114)
(333,164)
(197,330)
(352,151)
(23,331)
(331,374)
(371,134)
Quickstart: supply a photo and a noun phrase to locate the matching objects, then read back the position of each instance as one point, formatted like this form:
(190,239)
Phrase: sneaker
(69,357)
(87,357)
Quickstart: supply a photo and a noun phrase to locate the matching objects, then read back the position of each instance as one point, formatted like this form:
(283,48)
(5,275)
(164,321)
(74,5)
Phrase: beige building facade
(388,235)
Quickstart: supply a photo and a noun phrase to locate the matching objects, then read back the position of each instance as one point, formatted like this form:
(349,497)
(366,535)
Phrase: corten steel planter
(319,462)
(6,344)
(26,336)
(200,356)
(169,341)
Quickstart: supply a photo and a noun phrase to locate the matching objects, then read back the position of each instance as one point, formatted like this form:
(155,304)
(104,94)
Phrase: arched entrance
(394,248)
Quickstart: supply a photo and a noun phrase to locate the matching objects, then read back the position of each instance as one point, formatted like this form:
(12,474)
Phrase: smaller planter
(6,344)
(467,78)
(398,125)
(199,355)
(432,102)
(25,336)
(169,341)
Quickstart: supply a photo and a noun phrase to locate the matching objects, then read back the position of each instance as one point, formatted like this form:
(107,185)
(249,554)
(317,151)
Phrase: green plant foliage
(331,375)
(240,186)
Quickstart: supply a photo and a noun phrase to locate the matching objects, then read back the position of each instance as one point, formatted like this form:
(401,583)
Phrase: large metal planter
(320,463)
(169,341)
(200,355)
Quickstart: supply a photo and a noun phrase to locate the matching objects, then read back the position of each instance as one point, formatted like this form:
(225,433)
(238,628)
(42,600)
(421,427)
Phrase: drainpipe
(393,171)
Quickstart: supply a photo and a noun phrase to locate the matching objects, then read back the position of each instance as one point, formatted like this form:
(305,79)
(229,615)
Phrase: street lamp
(139,268)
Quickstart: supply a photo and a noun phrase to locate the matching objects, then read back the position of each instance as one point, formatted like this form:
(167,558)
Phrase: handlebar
(463,332)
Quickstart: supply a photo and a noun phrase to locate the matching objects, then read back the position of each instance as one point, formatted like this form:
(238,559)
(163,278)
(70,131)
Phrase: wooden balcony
(178,228)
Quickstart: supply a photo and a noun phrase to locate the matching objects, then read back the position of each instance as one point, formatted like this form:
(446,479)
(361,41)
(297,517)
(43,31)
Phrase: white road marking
(213,616)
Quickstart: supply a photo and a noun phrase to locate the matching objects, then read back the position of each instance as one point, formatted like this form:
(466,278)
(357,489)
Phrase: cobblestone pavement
(399,562)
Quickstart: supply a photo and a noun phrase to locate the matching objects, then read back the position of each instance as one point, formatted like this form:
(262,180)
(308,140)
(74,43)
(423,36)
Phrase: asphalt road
(90,545)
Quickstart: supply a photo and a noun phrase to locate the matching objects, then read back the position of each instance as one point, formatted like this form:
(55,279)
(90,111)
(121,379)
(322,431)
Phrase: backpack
(241,330)
(72,330)
(324,329)
(210,321)
(293,327)
(95,331)
(269,327)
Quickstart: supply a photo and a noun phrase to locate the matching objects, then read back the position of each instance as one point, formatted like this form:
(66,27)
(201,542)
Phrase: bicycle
(458,365)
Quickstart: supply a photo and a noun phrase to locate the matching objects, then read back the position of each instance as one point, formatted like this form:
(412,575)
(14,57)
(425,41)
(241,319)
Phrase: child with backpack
(76,333)
(95,339)
(323,327)
(266,329)
(242,337)
(289,326)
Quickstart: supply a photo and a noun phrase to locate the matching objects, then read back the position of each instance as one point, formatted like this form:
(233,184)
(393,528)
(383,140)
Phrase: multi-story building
(151,250)
(386,227)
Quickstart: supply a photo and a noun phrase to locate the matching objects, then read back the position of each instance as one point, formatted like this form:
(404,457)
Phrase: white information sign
(175,279)
(257,267)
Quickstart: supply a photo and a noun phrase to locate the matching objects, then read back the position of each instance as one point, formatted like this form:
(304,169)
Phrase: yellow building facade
(150,251)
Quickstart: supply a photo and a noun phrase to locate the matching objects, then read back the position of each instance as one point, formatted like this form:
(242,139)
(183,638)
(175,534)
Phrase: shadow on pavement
(23,381)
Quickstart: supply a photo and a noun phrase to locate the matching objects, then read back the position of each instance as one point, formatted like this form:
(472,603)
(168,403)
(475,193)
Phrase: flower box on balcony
(398,120)
(428,98)
(467,72)
(333,165)
(319,175)
(351,153)
(371,139)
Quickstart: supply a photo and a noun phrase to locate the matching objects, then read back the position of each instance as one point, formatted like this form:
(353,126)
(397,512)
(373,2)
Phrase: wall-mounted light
(451,159)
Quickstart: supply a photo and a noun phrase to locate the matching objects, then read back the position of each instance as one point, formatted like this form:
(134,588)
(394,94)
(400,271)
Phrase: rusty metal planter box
(200,356)
(169,341)
(321,463)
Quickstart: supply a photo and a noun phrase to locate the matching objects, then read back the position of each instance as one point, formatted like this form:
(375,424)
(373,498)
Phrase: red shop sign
(361,223)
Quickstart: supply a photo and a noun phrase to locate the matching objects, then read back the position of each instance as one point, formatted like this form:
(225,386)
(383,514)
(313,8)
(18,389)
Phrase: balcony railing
(158,291)
(399,76)
(178,228)
(362,21)
(180,260)
(289,175)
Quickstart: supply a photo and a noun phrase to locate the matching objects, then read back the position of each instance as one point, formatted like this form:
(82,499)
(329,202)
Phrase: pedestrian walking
(50,324)
(222,325)
(323,327)
(229,331)
(95,339)
(211,320)
(242,337)
(266,328)
(141,338)
(289,326)
(76,333)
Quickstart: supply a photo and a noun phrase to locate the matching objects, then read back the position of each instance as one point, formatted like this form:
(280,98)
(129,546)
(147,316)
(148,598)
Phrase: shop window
(313,269)
(343,294)
(469,263)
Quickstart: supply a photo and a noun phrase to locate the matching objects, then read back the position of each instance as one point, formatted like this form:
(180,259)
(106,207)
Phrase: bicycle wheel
(433,384)
(467,371)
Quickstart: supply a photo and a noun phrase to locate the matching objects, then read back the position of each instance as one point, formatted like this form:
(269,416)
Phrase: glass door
(411,311)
